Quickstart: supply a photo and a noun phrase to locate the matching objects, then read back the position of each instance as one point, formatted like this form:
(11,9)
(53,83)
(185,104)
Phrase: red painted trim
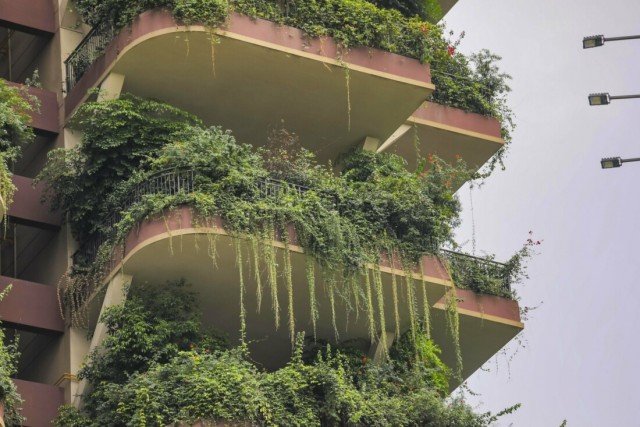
(45,117)
(459,118)
(487,304)
(41,402)
(287,37)
(30,306)
(31,16)
(184,217)
(27,206)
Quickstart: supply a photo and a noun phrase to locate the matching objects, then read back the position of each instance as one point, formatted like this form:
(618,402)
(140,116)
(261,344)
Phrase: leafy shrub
(210,382)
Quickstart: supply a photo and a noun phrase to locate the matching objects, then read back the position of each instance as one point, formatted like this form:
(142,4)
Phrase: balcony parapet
(449,133)
(41,402)
(27,207)
(44,119)
(30,306)
(29,16)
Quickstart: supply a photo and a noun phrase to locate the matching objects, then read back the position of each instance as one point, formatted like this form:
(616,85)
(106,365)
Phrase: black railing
(171,182)
(89,49)
(479,274)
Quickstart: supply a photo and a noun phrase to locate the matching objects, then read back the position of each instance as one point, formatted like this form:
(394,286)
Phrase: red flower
(451,50)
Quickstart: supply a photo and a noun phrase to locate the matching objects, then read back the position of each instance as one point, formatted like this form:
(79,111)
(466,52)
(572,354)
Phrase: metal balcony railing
(89,49)
(171,182)
(467,268)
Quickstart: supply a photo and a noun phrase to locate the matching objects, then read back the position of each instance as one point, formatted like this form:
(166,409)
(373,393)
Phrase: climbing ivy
(9,396)
(15,108)
(157,367)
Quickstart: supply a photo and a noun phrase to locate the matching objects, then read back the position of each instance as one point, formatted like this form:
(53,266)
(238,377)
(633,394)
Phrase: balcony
(30,306)
(44,119)
(487,324)
(448,133)
(179,245)
(29,16)
(259,76)
(27,208)
(41,402)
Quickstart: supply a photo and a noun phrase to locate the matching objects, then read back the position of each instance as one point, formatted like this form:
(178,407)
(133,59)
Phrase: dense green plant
(485,276)
(9,396)
(211,382)
(429,10)
(15,108)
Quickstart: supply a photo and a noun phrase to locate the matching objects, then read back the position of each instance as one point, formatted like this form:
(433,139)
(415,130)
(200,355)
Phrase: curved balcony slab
(29,16)
(41,402)
(27,207)
(487,324)
(449,133)
(175,247)
(30,306)
(252,75)
(45,119)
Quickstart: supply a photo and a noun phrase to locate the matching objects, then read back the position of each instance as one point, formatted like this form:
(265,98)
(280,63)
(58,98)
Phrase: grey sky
(581,359)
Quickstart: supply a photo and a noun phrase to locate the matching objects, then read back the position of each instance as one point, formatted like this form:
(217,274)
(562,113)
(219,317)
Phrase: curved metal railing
(171,182)
(493,269)
(89,49)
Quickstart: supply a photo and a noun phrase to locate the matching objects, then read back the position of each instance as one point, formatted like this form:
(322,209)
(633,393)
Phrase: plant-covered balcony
(274,242)
(345,63)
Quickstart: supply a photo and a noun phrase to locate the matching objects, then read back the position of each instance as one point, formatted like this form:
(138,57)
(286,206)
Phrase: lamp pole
(616,162)
(605,98)
(599,40)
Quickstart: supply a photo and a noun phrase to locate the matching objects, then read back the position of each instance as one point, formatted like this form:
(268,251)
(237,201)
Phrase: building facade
(388,106)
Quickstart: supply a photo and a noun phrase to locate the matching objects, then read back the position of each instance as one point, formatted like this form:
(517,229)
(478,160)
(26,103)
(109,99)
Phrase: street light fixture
(616,162)
(605,98)
(597,41)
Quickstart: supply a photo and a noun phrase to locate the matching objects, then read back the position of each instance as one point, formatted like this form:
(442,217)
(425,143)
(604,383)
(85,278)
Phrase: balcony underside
(158,252)
(262,76)
(448,133)
(487,324)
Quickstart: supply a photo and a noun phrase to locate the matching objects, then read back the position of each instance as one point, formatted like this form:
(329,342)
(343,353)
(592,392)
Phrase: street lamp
(605,98)
(597,41)
(616,162)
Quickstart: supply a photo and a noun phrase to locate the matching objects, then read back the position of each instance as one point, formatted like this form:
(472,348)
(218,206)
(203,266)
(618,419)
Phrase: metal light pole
(616,162)
(599,40)
(605,98)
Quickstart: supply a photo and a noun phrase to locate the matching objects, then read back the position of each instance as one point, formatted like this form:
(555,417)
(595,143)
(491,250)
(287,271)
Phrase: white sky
(582,358)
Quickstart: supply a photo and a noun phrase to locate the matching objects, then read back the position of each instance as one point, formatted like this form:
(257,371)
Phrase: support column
(395,136)
(116,294)
(378,352)
(370,144)
(111,87)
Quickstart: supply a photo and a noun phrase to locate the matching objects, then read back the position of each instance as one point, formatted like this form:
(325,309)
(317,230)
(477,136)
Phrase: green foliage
(429,10)
(15,108)
(9,396)
(208,382)
(485,276)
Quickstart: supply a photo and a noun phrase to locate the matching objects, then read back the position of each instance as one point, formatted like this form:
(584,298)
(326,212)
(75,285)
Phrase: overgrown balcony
(274,242)
(334,74)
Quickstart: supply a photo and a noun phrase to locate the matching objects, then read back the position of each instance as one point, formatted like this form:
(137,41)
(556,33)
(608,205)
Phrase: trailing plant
(145,381)
(486,276)
(15,108)
(429,10)
(9,396)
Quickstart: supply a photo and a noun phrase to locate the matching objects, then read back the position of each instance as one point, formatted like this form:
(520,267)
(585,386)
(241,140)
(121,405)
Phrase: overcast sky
(582,358)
